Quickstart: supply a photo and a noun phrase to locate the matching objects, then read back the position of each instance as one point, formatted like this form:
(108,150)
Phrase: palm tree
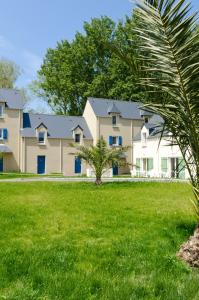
(101,157)
(169,60)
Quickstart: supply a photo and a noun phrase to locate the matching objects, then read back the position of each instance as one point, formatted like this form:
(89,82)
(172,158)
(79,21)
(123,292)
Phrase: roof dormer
(115,113)
(41,133)
(113,109)
(146,115)
(78,134)
(144,135)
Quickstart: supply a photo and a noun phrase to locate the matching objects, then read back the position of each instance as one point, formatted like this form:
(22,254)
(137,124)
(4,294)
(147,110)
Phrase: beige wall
(91,121)
(60,156)
(12,120)
(69,158)
(127,129)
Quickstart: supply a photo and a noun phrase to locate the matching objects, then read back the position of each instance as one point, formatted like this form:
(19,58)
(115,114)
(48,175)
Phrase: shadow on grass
(186,228)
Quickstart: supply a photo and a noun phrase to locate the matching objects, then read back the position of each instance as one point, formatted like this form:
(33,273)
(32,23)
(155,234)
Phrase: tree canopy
(9,72)
(88,66)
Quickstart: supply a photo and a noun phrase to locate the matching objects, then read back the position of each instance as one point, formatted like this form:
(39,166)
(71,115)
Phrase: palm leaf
(169,55)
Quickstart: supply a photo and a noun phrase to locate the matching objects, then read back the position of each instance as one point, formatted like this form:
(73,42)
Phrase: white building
(154,156)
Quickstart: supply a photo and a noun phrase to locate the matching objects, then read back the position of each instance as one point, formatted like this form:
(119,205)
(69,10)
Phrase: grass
(75,241)
(16,175)
(13,175)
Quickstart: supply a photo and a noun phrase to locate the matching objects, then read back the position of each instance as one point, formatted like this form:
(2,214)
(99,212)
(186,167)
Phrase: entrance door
(115,170)
(78,166)
(41,164)
(1,164)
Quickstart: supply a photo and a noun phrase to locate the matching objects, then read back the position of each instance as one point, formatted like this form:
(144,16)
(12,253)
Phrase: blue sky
(29,27)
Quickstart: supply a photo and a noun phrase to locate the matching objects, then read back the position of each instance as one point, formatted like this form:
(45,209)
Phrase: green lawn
(76,241)
(15,175)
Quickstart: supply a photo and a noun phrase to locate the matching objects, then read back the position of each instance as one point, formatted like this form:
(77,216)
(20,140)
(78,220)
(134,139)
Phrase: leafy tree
(88,66)
(9,72)
(167,31)
(101,157)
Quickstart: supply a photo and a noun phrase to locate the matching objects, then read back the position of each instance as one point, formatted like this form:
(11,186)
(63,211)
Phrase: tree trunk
(98,181)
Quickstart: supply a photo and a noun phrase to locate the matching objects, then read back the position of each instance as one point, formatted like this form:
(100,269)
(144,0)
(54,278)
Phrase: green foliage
(9,72)
(169,54)
(69,241)
(88,66)
(101,157)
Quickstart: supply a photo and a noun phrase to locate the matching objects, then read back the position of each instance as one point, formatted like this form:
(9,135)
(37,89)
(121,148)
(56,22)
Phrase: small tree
(101,157)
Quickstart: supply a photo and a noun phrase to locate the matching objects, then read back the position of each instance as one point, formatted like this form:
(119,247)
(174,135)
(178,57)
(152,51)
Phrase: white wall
(152,149)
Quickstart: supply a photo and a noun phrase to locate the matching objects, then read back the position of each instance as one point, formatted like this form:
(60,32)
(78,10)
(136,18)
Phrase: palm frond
(170,59)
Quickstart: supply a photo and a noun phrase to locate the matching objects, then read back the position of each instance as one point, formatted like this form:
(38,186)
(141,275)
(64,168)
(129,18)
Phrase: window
(41,137)
(1,110)
(146,119)
(1,134)
(115,140)
(114,120)
(164,164)
(77,138)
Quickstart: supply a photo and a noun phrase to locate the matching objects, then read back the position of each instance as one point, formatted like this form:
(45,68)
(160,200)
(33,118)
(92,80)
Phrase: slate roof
(60,127)
(127,109)
(12,98)
(154,131)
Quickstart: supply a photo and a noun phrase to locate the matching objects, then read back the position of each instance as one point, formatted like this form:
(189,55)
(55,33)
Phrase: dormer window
(41,137)
(114,120)
(77,138)
(146,119)
(1,110)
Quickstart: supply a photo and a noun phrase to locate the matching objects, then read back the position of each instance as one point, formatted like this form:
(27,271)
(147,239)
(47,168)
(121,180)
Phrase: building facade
(155,157)
(40,143)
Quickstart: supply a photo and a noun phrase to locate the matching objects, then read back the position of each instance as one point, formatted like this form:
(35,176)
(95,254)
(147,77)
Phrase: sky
(29,27)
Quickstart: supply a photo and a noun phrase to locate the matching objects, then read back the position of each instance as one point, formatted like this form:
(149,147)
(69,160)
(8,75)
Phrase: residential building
(118,122)
(41,143)
(156,156)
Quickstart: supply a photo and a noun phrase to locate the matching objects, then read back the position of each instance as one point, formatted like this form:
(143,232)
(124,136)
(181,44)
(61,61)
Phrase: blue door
(1,164)
(78,166)
(115,170)
(41,164)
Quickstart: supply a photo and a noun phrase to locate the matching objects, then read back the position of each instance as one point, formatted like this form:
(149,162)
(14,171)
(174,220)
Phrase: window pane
(114,120)
(77,138)
(41,137)
(114,140)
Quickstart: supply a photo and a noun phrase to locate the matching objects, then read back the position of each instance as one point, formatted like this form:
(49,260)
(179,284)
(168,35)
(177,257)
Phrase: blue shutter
(5,133)
(120,140)
(110,140)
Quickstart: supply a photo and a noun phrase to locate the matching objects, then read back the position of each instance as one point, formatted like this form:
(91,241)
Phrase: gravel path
(84,179)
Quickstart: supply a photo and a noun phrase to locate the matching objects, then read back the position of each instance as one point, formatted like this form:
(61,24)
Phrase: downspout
(132,145)
(61,159)
(19,143)
(24,154)
(98,135)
